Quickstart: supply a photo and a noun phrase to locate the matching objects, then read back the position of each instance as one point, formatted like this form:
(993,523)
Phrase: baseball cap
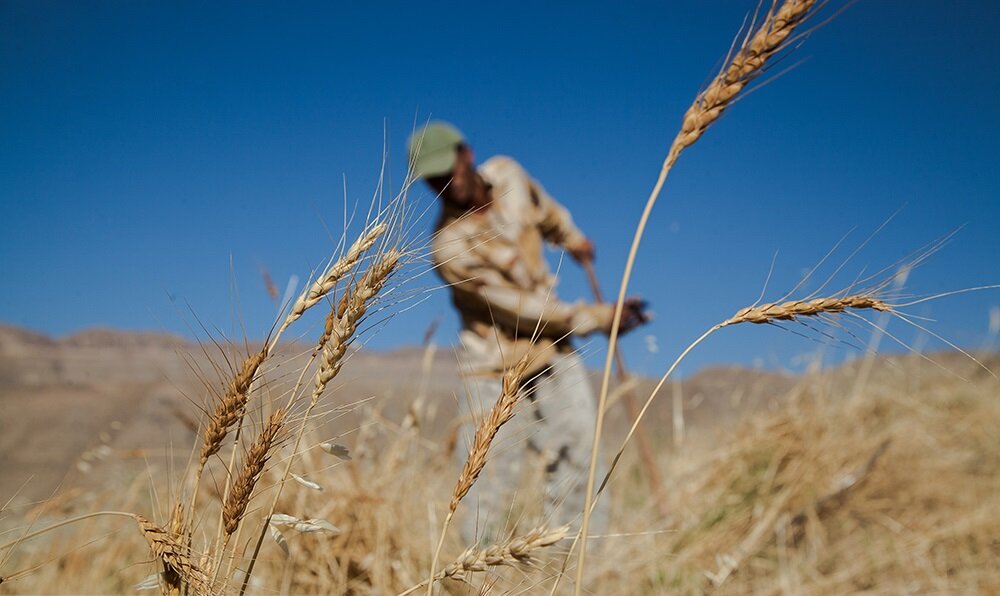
(432,149)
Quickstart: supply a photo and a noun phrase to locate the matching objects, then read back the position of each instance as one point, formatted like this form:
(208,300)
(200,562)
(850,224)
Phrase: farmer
(488,248)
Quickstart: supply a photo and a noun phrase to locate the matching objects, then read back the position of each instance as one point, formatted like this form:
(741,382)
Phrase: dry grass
(895,491)
(784,501)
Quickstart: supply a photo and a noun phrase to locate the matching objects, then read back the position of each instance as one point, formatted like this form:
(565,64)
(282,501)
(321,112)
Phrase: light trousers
(548,439)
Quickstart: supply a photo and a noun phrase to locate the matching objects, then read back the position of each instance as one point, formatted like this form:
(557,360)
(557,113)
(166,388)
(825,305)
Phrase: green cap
(433,149)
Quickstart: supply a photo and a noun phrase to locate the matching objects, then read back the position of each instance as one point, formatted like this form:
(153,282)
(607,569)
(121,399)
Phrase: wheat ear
(502,412)
(520,550)
(333,274)
(746,64)
(174,556)
(352,308)
(338,331)
(257,456)
(791,310)
(486,431)
(229,412)
(758,314)
(230,409)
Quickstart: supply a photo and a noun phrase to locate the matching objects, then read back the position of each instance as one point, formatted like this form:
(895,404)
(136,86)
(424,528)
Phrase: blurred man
(488,248)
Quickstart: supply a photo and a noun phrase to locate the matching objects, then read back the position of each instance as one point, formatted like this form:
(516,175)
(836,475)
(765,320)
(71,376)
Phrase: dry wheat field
(302,464)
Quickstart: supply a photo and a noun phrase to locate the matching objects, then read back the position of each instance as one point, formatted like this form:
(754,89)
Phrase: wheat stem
(747,63)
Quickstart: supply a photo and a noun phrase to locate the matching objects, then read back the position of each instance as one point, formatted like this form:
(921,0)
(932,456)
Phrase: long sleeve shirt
(500,283)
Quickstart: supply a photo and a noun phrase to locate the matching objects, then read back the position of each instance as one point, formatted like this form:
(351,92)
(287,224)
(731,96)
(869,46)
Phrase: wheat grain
(175,528)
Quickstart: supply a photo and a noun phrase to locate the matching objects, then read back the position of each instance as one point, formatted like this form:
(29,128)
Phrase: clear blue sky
(151,150)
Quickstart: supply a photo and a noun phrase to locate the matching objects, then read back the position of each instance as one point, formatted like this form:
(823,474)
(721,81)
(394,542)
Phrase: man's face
(458,187)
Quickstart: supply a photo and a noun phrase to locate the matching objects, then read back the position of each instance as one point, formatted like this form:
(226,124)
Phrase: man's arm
(480,288)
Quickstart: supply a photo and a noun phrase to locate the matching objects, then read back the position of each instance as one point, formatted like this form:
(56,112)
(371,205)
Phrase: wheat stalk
(758,314)
(746,64)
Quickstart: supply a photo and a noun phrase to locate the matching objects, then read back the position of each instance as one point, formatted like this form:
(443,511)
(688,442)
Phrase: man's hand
(582,252)
(634,315)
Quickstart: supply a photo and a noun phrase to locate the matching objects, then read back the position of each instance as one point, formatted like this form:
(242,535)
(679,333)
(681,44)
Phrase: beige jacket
(500,282)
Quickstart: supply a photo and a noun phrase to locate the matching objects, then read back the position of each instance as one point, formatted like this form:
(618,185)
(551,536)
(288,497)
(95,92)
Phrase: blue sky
(155,155)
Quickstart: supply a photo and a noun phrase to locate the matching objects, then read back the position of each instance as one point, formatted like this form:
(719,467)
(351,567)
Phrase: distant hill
(102,402)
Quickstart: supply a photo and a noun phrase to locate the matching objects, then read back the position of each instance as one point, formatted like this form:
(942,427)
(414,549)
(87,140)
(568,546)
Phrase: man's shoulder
(501,167)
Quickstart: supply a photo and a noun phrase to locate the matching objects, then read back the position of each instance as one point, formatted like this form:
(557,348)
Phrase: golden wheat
(352,308)
(486,431)
(257,456)
(335,273)
(174,556)
(517,551)
(230,408)
(746,64)
(789,311)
